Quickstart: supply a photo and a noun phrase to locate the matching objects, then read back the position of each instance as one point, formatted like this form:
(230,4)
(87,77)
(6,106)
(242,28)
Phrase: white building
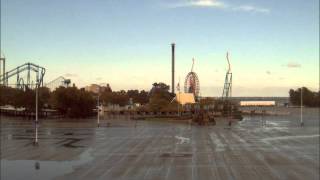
(257,103)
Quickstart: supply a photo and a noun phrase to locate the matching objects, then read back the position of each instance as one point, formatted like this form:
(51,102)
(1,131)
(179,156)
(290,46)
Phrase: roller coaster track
(227,89)
(58,82)
(22,82)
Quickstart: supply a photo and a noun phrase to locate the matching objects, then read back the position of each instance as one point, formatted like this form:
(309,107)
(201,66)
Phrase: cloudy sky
(273,45)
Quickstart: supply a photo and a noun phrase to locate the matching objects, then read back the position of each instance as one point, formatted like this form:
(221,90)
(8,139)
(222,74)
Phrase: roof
(185,98)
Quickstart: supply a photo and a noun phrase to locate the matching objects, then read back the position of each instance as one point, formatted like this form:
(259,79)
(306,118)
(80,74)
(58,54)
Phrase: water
(289,117)
(40,170)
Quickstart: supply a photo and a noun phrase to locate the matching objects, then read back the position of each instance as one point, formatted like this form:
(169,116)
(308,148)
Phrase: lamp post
(179,97)
(301,108)
(98,109)
(98,88)
(36,121)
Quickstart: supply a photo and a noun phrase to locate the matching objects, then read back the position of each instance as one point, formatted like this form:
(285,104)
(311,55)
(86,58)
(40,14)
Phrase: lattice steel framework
(23,82)
(58,82)
(227,89)
(192,83)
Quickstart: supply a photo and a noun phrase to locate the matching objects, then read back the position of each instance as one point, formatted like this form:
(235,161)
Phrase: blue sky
(273,45)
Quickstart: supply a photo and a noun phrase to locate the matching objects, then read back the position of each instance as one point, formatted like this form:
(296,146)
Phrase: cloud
(207,3)
(250,8)
(293,65)
(70,75)
(99,78)
(268,72)
(218,4)
(199,3)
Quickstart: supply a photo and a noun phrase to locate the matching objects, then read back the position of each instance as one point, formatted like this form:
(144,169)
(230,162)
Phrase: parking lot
(160,149)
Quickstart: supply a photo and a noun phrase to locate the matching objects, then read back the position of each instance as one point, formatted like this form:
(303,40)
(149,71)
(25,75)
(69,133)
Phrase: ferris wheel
(191,83)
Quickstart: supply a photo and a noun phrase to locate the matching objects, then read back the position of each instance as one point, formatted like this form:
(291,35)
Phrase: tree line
(309,98)
(75,102)
(70,101)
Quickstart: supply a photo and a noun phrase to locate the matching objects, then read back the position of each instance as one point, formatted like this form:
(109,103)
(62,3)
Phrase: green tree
(138,97)
(309,97)
(120,97)
(160,97)
(24,98)
(73,102)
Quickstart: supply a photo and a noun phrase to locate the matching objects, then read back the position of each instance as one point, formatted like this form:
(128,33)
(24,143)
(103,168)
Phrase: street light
(98,103)
(36,121)
(301,109)
(98,109)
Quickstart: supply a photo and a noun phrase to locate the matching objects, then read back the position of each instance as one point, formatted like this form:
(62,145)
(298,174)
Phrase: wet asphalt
(259,147)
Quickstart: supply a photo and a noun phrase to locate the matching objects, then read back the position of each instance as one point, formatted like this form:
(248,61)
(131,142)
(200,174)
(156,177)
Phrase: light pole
(301,109)
(98,109)
(98,106)
(36,121)
(179,98)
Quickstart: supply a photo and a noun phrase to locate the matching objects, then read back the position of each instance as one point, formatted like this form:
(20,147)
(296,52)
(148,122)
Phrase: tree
(24,98)
(159,87)
(138,97)
(73,102)
(160,97)
(116,97)
(8,95)
(309,98)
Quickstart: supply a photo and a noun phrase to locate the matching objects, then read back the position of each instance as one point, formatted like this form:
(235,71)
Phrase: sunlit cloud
(268,72)
(293,65)
(199,3)
(218,4)
(207,3)
(250,8)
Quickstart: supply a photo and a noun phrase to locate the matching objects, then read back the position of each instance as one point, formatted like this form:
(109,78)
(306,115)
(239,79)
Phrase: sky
(273,45)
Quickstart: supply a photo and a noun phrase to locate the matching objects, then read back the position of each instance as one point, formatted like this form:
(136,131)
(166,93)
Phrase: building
(257,103)
(95,88)
(185,98)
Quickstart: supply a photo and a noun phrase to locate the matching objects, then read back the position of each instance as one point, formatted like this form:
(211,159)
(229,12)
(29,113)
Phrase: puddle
(68,133)
(70,143)
(39,170)
(182,140)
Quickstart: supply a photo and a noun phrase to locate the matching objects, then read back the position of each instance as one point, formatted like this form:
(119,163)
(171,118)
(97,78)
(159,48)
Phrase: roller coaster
(58,82)
(28,76)
(227,89)
(23,81)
